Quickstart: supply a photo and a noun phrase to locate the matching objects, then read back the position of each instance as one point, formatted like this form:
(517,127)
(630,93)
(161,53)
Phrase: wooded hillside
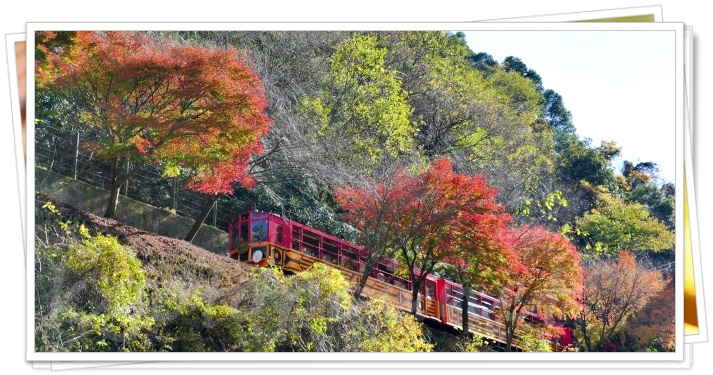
(412,143)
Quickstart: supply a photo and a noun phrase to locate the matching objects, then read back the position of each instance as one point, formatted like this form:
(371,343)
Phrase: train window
(310,238)
(385,268)
(473,309)
(244,217)
(331,247)
(259,231)
(474,299)
(234,231)
(348,263)
(348,253)
(243,252)
(430,290)
(457,299)
(244,232)
(279,234)
(296,238)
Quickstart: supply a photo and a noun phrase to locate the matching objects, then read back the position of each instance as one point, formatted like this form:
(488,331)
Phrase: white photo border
(677,355)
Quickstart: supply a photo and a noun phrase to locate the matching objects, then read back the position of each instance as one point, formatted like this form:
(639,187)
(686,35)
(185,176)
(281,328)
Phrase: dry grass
(167,261)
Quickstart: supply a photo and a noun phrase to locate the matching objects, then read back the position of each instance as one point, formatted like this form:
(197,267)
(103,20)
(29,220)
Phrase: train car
(266,239)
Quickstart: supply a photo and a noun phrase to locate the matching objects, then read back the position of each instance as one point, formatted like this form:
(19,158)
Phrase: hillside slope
(190,299)
(170,257)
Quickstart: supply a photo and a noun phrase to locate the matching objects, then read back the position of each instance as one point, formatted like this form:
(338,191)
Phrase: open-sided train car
(266,239)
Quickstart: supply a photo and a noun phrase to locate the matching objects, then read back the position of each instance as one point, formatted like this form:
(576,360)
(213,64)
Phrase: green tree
(580,161)
(484,121)
(363,110)
(315,311)
(557,115)
(614,225)
(89,293)
(638,183)
(514,64)
(389,330)
(483,62)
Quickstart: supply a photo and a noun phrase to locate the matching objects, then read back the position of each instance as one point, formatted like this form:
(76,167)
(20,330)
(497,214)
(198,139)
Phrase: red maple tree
(546,280)
(194,110)
(454,218)
(376,208)
(427,218)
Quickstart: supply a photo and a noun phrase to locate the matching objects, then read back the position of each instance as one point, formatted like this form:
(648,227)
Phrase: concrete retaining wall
(128,211)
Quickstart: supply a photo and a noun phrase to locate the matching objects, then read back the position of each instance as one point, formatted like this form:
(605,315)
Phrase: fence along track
(63,152)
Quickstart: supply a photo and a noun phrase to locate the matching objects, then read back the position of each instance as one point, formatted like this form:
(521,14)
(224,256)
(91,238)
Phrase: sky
(618,85)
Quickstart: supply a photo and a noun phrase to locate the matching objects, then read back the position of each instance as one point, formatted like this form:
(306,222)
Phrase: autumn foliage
(376,210)
(454,218)
(440,216)
(653,328)
(431,147)
(188,108)
(546,279)
(613,292)
(426,218)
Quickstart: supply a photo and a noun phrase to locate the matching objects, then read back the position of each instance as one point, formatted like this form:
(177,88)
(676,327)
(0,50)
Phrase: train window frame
(244,232)
(297,238)
(449,294)
(234,236)
(430,289)
(259,225)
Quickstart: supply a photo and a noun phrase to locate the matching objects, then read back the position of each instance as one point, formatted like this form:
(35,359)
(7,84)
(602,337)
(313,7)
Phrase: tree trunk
(360,286)
(414,301)
(585,335)
(118,179)
(510,324)
(508,339)
(113,199)
(201,218)
(371,262)
(414,295)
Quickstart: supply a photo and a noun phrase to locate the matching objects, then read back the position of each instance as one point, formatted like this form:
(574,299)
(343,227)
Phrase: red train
(263,239)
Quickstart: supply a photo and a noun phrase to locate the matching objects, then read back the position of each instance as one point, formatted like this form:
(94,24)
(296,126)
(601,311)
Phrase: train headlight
(257,256)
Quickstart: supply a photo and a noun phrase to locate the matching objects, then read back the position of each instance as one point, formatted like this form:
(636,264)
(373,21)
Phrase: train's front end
(257,237)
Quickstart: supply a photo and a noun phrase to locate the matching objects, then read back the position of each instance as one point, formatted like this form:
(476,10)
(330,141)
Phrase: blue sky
(618,85)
